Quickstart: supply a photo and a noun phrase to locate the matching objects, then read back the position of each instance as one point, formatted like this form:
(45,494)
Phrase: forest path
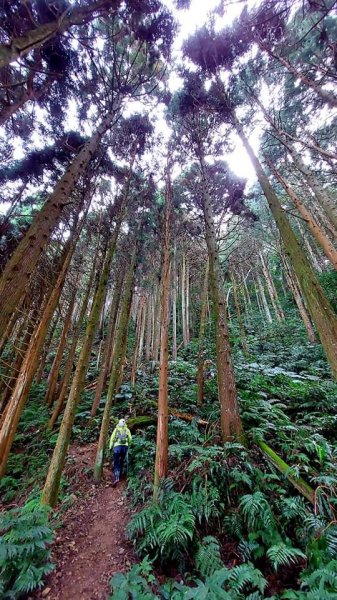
(91,545)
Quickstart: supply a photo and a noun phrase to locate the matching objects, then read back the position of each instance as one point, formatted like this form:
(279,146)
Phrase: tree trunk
(293,286)
(264,300)
(148,328)
(21,265)
(322,197)
(183,299)
(318,305)
(54,372)
(108,342)
(69,364)
(30,362)
(137,340)
(142,330)
(231,426)
(118,360)
(272,290)
(15,365)
(259,301)
(174,303)
(20,46)
(239,316)
(46,348)
(187,304)
(156,325)
(201,341)
(311,249)
(315,229)
(50,490)
(161,462)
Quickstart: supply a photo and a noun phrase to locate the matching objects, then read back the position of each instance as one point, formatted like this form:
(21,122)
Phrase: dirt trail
(90,545)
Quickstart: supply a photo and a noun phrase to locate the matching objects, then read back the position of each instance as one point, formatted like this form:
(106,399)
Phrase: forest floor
(90,545)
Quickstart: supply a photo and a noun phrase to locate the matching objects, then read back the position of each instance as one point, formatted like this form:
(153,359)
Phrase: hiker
(120,440)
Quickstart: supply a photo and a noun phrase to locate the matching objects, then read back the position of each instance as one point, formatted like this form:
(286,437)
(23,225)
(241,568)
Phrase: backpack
(121,436)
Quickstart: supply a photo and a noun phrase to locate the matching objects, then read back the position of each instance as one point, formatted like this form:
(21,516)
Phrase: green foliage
(241,582)
(164,529)
(24,553)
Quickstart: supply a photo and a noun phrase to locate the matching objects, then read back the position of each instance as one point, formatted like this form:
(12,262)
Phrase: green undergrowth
(227,524)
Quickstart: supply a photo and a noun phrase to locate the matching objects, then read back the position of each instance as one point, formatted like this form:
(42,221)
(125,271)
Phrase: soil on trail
(90,545)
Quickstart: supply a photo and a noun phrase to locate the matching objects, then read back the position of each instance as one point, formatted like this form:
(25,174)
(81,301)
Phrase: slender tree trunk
(52,382)
(239,316)
(322,197)
(161,462)
(148,328)
(231,426)
(142,330)
(201,341)
(137,341)
(46,347)
(183,299)
(258,300)
(311,249)
(20,46)
(315,229)
(156,326)
(21,265)
(69,364)
(272,290)
(174,303)
(118,360)
(108,342)
(187,304)
(318,305)
(50,490)
(16,365)
(29,365)
(293,286)
(264,300)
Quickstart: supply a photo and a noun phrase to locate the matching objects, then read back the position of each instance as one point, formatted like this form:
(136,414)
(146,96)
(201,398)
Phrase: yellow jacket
(116,440)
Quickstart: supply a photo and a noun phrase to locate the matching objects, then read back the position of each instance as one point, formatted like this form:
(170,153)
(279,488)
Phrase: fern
(24,553)
(257,511)
(283,555)
(207,558)
(243,575)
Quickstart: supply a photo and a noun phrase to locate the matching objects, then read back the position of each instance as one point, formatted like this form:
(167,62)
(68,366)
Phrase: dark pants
(120,456)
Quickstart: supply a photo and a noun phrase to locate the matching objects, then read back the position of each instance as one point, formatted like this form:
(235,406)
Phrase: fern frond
(283,555)
(207,558)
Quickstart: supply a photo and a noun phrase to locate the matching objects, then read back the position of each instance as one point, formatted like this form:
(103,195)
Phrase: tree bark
(51,487)
(161,462)
(30,362)
(293,286)
(231,426)
(52,381)
(174,302)
(69,364)
(322,197)
(315,229)
(264,300)
(318,305)
(118,361)
(239,316)
(201,341)
(108,342)
(21,265)
(272,290)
